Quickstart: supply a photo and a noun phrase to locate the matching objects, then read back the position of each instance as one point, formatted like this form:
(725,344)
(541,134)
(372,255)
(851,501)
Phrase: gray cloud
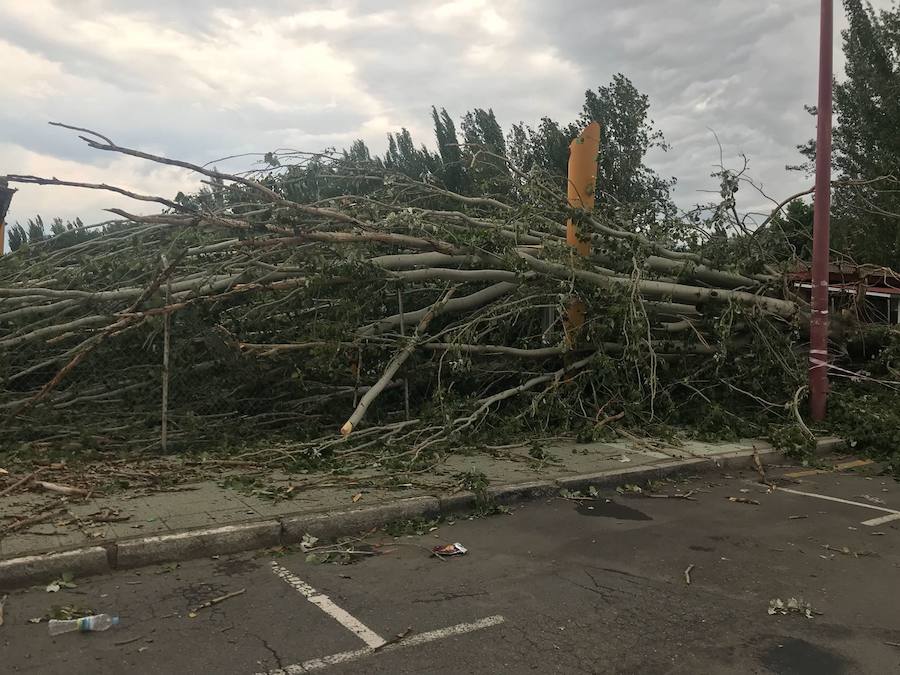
(204,79)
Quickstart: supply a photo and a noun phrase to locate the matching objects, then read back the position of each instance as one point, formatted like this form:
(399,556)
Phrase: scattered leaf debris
(792,606)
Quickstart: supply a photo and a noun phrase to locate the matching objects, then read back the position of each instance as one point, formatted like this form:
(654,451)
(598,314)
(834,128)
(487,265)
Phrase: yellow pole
(583,153)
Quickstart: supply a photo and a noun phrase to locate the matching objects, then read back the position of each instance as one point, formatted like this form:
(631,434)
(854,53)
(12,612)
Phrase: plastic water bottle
(85,624)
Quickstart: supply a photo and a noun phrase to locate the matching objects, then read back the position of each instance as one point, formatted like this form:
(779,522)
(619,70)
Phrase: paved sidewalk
(233,498)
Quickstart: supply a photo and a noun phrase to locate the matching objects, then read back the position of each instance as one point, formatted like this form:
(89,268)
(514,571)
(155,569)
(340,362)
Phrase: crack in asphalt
(451,596)
(271,650)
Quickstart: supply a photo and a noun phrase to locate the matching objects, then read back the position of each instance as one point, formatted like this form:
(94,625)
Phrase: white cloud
(205,78)
(68,203)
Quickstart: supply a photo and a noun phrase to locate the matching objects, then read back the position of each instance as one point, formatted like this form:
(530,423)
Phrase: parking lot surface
(563,585)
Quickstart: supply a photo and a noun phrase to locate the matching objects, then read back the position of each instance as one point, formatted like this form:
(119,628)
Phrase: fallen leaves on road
(345,551)
(743,500)
(64,613)
(65,581)
(792,606)
(845,550)
(168,568)
(593,495)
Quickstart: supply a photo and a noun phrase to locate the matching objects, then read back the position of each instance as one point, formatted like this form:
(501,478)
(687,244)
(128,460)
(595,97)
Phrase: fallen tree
(387,317)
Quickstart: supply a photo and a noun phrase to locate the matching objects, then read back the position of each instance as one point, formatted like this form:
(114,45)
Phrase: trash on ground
(792,606)
(624,458)
(797,517)
(687,574)
(449,550)
(874,500)
(357,497)
(65,581)
(892,644)
(86,624)
(215,601)
(2,603)
(308,542)
(743,500)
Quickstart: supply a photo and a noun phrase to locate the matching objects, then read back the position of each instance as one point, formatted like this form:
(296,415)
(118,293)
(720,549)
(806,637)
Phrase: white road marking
(324,603)
(875,522)
(894,515)
(412,641)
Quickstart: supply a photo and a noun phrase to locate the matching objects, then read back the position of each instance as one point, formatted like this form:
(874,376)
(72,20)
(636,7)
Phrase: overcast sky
(200,79)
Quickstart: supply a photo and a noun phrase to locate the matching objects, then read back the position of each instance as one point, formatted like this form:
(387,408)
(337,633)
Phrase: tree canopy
(866,209)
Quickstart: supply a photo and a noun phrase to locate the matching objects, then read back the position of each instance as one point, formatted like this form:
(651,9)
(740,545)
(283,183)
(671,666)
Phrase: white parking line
(358,628)
(875,522)
(895,515)
(412,641)
(324,603)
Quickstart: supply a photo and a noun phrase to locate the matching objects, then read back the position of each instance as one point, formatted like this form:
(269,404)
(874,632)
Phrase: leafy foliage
(866,209)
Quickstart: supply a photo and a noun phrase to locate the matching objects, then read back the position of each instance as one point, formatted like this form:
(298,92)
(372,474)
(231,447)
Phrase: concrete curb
(80,562)
(197,544)
(353,521)
(289,529)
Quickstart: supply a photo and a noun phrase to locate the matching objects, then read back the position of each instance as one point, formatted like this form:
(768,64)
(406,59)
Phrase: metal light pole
(818,328)
(6,194)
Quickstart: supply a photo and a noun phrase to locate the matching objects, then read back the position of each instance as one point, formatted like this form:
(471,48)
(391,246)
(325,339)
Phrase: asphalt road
(556,587)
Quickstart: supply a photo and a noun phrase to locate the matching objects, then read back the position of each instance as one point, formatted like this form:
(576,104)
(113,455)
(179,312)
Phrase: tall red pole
(818,328)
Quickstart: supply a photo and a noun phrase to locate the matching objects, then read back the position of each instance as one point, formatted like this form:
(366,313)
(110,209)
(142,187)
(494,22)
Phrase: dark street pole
(818,329)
